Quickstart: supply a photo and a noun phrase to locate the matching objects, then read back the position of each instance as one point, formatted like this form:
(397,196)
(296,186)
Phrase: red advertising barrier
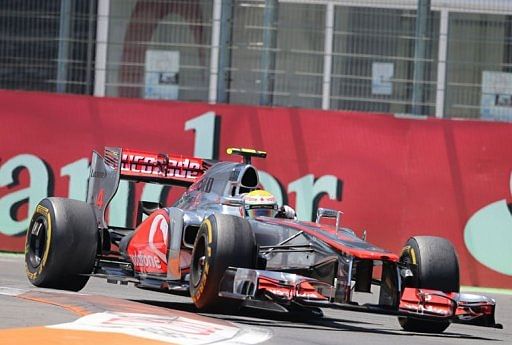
(393,177)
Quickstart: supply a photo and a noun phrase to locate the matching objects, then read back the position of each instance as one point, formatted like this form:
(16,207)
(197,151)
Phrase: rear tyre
(222,241)
(437,269)
(61,244)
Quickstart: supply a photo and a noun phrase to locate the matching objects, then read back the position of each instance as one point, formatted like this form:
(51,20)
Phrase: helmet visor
(262,211)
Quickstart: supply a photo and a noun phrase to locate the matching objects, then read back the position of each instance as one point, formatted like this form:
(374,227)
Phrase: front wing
(275,291)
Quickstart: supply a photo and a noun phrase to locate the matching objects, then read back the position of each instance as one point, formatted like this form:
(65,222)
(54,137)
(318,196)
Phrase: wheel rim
(37,241)
(406,259)
(198,261)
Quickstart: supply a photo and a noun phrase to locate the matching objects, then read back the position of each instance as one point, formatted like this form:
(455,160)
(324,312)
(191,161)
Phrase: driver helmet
(260,203)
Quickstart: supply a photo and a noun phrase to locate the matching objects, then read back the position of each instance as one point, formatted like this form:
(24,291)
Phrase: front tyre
(222,241)
(61,244)
(437,268)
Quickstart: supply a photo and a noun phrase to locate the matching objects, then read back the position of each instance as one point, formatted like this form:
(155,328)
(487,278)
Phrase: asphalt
(336,327)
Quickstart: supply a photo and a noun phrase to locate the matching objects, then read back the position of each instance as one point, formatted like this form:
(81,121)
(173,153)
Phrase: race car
(212,245)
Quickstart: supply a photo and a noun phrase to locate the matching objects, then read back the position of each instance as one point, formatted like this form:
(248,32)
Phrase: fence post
(90,49)
(100,69)
(66,11)
(224,74)
(214,53)
(441,63)
(420,51)
(268,54)
(329,35)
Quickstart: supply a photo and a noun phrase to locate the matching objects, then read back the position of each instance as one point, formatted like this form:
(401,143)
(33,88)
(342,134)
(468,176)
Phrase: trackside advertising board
(392,177)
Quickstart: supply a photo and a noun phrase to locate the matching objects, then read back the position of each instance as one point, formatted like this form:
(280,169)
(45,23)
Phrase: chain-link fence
(47,45)
(166,40)
(425,57)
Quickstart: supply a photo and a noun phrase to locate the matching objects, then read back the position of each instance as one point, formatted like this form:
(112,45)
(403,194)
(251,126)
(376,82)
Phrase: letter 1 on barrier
(205,127)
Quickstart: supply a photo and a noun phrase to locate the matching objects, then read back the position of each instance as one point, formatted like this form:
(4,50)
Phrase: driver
(260,203)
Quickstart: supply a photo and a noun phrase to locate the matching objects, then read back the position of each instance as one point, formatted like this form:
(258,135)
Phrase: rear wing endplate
(139,166)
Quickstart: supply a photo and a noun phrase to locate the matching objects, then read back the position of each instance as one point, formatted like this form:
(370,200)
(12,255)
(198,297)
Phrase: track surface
(336,327)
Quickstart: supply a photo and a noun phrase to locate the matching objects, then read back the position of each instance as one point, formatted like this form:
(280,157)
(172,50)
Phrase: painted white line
(8,291)
(9,255)
(172,329)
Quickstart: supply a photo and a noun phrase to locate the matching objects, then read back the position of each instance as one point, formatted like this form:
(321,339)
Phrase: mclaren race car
(207,245)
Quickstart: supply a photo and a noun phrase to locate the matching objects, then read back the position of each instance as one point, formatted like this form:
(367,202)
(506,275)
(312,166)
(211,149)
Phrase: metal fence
(426,57)
(47,45)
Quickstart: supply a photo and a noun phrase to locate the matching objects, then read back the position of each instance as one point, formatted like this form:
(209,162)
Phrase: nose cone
(488,237)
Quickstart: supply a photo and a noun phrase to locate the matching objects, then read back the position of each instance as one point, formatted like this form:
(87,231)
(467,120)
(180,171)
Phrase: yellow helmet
(260,203)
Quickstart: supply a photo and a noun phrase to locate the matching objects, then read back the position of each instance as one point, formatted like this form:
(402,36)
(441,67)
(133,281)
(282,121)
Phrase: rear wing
(160,168)
(140,166)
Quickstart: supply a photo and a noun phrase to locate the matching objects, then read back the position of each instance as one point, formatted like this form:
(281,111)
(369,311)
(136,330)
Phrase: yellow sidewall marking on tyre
(413,256)
(42,210)
(209,227)
(206,269)
(48,238)
(46,213)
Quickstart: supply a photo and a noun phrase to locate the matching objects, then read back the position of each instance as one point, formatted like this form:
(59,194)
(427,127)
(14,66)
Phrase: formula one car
(207,244)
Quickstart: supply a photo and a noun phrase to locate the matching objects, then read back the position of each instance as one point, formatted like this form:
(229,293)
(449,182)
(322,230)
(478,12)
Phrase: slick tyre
(437,268)
(61,244)
(222,241)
